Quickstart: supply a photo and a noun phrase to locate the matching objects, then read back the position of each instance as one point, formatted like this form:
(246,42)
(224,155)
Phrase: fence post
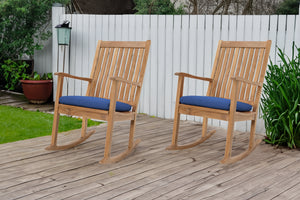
(57,11)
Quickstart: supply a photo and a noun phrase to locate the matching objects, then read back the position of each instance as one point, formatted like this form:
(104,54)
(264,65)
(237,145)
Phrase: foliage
(37,77)
(23,26)
(288,7)
(17,124)
(157,7)
(281,101)
(13,71)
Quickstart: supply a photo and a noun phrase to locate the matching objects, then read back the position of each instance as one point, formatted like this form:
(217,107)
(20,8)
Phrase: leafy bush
(23,26)
(157,7)
(13,71)
(281,101)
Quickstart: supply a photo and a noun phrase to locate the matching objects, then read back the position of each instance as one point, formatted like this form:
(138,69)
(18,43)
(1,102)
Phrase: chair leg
(83,127)
(229,137)
(175,130)
(131,145)
(252,144)
(108,139)
(205,136)
(252,141)
(84,135)
(204,127)
(54,129)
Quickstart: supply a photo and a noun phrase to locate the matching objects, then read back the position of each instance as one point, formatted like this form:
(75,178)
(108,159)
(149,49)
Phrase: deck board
(27,171)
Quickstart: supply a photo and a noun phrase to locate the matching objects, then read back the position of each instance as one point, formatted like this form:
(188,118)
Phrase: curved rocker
(72,144)
(233,159)
(202,139)
(121,156)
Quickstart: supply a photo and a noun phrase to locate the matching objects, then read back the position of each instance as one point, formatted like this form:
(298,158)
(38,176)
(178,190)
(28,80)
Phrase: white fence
(184,43)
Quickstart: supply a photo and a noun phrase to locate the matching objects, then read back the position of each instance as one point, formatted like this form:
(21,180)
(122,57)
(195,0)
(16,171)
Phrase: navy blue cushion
(93,102)
(213,102)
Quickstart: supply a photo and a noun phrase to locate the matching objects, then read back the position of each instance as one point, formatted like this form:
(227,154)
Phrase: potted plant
(37,89)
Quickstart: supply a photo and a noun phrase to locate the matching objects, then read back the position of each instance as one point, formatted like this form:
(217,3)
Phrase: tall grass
(281,100)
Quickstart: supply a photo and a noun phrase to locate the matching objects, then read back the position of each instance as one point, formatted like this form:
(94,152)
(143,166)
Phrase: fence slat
(161,66)
(176,54)
(153,64)
(169,67)
(184,64)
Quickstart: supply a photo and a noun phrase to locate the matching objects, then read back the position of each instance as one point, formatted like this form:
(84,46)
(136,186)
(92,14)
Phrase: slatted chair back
(126,60)
(239,59)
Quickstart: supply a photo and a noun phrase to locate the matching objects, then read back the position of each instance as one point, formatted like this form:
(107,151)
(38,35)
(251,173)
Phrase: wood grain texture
(29,172)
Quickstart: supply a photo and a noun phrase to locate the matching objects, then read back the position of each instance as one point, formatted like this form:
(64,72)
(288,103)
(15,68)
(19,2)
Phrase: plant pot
(37,92)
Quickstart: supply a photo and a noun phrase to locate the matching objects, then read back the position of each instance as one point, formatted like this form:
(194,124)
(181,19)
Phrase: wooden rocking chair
(233,93)
(113,93)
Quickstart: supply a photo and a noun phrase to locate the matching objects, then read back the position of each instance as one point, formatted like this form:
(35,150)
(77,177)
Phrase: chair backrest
(127,60)
(246,59)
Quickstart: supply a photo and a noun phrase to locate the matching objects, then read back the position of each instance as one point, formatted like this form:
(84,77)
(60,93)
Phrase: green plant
(281,101)
(13,71)
(157,7)
(36,76)
(23,26)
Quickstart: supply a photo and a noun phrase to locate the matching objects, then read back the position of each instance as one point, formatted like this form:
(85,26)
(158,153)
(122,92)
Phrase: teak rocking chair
(233,93)
(113,93)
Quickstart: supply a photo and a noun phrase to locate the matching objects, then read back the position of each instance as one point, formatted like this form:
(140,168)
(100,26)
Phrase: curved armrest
(125,81)
(193,76)
(72,76)
(238,78)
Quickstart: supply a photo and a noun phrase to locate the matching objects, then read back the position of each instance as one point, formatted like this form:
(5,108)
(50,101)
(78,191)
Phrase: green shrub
(23,27)
(13,72)
(157,7)
(281,101)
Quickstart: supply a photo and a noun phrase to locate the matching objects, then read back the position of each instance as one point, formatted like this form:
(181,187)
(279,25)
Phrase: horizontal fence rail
(179,43)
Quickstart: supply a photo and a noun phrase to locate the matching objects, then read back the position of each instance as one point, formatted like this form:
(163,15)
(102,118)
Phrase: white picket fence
(184,43)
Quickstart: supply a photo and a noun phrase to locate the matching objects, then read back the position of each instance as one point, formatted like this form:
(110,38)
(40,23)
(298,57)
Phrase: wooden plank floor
(27,171)
(18,100)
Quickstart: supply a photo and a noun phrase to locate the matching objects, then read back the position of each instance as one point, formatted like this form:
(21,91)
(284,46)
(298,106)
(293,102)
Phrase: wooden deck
(27,171)
(19,100)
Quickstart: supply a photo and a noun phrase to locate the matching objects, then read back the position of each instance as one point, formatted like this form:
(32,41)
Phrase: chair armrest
(193,76)
(125,81)
(72,76)
(238,78)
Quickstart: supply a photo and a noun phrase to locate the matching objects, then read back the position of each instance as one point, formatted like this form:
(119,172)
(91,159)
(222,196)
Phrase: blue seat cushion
(93,102)
(213,102)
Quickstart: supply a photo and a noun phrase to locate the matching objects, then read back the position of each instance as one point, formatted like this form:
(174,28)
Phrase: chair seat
(214,102)
(93,102)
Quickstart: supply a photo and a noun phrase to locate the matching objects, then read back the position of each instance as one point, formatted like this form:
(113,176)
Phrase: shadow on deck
(27,171)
